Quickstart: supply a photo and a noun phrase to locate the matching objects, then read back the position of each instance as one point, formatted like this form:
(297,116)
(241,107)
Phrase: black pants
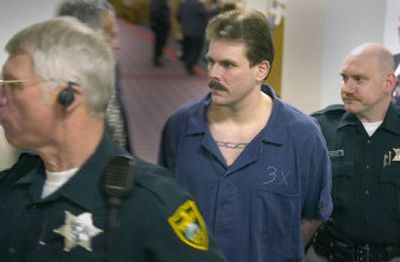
(192,49)
(160,40)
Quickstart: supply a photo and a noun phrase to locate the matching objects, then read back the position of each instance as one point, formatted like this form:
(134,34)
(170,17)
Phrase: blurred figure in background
(100,16)
(160,24)
(193,17)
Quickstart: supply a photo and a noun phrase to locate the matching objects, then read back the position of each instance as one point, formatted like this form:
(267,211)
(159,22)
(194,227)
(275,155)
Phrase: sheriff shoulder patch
(189,225)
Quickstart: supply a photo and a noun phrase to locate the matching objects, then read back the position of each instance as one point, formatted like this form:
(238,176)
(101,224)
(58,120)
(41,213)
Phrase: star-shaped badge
(397,156)
(78,231)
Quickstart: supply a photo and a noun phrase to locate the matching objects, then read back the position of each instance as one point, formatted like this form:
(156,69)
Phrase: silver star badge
(397,156)
(78,231)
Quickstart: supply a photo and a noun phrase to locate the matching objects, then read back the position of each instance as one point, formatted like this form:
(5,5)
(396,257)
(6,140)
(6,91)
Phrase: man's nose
(348,86)
(214,71)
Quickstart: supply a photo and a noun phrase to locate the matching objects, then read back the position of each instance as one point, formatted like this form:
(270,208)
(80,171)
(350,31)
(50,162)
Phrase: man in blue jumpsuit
(257,166)
(363,138)
(55,87)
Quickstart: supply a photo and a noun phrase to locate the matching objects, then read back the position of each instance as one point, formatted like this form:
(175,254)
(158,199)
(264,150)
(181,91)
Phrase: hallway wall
(318,36)
(17,14)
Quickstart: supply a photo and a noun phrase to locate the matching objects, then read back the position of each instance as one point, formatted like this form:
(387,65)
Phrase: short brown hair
(251,27)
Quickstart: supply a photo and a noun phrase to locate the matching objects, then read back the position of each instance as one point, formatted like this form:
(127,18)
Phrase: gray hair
(63,49)
(90,12)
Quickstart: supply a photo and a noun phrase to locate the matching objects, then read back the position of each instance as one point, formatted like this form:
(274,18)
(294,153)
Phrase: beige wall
(318,35)
(302,53)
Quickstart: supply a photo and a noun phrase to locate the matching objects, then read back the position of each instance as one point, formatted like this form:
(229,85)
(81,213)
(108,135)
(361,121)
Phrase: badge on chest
(78,231)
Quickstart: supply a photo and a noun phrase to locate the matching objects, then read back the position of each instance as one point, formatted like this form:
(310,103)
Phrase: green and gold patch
(189,225)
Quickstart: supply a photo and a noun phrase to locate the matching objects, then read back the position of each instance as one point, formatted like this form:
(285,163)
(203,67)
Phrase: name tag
(391,156)
(336,153)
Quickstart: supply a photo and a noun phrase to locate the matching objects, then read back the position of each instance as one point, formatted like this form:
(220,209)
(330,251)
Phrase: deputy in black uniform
(56,84)
(363,138)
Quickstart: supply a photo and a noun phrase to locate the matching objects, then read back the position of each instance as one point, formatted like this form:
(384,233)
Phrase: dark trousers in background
(160,40)
(192,49)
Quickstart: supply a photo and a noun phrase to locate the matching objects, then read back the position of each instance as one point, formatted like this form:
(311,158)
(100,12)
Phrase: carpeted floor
(151,94)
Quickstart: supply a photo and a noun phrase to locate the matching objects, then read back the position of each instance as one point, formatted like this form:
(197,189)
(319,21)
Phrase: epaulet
(336,109)
(160,182)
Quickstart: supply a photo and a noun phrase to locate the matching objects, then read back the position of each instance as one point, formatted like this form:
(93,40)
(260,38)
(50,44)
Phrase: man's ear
(262,70)
(70,97)
(390,83)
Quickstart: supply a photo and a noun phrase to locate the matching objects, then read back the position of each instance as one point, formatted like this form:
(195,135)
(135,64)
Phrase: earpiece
(66,96)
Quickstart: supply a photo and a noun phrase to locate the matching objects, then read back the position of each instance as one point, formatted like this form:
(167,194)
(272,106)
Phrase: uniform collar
(276,123)
(348,119)
(198,117)
(31,174)
(84,188)
(390,122)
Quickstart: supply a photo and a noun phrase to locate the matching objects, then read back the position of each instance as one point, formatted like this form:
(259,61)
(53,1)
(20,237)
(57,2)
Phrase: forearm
(308,228)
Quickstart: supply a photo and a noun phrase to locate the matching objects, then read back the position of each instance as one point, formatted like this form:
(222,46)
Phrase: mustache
(349,97)
(214,84)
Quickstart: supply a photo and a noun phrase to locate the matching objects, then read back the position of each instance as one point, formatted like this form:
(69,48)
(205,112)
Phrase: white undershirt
(371,127)
(54,180)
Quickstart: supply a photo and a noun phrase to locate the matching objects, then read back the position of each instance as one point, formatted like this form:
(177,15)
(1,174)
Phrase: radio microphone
(119,176)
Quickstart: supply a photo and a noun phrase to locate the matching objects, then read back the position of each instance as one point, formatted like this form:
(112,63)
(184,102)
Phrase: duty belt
(336,250)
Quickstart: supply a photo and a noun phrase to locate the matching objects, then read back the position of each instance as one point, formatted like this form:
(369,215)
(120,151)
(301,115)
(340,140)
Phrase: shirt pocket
(277,207)
(391,177)
(276,216)
(342,184)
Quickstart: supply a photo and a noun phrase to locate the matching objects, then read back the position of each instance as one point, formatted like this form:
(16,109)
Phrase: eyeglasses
(10,83)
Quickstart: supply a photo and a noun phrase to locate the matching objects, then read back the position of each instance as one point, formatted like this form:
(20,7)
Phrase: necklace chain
(231,145)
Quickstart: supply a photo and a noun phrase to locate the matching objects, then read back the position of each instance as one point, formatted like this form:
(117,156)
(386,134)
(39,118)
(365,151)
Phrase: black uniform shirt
(366,176)
(158,221)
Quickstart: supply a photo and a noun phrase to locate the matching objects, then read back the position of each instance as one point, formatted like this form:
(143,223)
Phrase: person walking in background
(100,16)
(363,138)
(258,167)
(193,17)
(160,24)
